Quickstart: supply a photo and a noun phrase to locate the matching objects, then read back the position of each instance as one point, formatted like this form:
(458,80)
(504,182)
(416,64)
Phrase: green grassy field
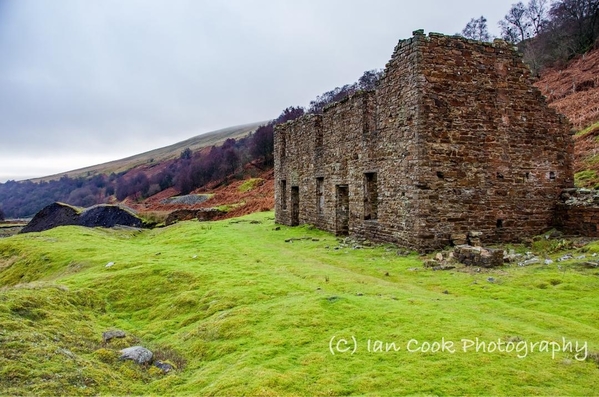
(240,311)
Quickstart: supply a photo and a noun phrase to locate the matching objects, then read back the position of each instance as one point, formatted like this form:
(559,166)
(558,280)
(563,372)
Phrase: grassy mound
(243,307)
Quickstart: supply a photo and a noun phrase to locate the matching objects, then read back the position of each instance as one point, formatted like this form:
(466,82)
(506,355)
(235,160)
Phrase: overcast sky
(87,81)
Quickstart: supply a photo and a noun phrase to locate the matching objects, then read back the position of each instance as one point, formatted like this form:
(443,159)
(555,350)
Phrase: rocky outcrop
(60,214)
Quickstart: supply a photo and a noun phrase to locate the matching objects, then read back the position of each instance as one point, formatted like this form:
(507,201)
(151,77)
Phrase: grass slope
(241,311)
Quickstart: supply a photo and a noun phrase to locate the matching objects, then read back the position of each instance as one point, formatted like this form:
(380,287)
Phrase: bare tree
(579,21)
(537,13)
(515,25)
(477,29)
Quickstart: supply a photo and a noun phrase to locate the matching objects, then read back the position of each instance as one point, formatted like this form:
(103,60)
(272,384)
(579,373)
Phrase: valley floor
(245,307)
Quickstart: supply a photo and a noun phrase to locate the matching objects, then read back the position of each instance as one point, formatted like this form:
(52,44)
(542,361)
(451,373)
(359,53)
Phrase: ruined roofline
(355,95)
(418,36)
(497,42)
(327,108)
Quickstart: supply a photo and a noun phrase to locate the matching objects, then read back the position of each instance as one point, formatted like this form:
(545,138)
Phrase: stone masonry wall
(495,157)
(578,212)
(455,139)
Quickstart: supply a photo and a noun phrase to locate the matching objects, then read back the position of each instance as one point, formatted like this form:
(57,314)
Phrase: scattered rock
(359,294)
(548,261)
(109,264)
(443,267)
(531,261)
(478,256)
(431,263)
(491,279)
(138,354)
(511,257)
(189,199)
(165,367)
(113,333)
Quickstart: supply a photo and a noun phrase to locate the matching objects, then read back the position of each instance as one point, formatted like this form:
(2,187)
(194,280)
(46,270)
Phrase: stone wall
(495,157)
(455,139)
(578,212)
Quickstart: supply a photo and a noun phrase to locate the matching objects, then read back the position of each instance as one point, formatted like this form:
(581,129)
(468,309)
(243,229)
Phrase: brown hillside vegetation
(574,92)
(236,198)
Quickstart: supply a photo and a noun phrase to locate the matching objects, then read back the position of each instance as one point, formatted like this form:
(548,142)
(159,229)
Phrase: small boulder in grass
(113,333)
(138,354)
(164,367)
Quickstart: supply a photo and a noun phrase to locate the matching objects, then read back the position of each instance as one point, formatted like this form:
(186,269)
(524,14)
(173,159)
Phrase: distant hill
(162,154)
(209,157)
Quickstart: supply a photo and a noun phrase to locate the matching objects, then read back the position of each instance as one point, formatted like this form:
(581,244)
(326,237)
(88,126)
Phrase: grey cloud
(78,76)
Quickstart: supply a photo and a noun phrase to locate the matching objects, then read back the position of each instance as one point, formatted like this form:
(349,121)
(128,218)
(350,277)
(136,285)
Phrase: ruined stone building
(454,140)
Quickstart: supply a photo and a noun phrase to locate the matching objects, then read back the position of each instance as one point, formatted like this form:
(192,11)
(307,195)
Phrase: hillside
(242,307)
(574,92)
(161,154)
(216,157)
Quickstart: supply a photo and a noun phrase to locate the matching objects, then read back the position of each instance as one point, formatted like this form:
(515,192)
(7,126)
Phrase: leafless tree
(515,26)
(477,29)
